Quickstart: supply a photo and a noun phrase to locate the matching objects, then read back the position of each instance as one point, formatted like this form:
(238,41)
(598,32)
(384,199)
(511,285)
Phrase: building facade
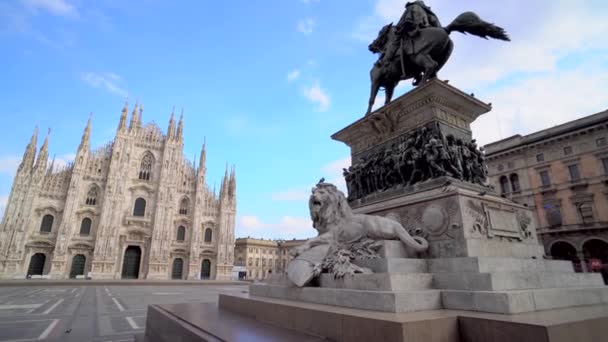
(134,208)
(562,172)
(261,257)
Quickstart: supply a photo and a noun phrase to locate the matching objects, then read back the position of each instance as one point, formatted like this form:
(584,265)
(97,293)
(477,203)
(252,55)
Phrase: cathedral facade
(135,208)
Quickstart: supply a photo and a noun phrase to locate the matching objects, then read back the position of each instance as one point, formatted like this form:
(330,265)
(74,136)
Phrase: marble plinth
(461,221)
(488,284)
(244,317)
(198,322)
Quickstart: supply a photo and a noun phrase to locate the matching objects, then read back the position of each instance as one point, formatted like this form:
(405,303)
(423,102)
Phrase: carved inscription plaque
(503,222)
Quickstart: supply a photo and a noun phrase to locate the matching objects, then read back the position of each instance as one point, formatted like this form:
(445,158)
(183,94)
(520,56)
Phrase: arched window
(181,233)
(139,209)
(91,196)
(208,235)
(504,185)
(585,210)
(47,223)
(145,168)
(183,206)
(515,182)
(85,226)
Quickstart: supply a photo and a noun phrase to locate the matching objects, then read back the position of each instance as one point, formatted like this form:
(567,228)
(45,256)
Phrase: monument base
(248,318)
(484,284)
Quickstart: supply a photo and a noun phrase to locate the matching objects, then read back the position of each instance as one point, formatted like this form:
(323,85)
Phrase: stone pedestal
(484,272)
(460,220)
(436,105)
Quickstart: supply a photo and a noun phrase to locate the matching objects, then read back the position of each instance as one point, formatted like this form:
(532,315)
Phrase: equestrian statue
(418,47)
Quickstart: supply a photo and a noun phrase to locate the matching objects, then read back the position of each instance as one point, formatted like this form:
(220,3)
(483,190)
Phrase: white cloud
(317,95)
(293,75)
(9,165)
(64,160)
(537,46)
(56,7)
(106,80)
(333,172)
(309,1)
(288,227)
(306,26)
(541,102)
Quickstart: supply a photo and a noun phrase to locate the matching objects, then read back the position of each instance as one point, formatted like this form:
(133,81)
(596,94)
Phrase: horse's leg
(429,65)
(389,90)
(373,93)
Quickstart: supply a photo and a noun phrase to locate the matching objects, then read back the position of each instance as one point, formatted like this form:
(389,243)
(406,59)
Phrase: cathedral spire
(30,152)
(134,118)
(171,129)
(86,135)
(232,183)
(123,116)
(224,188)
(50,170)
(201,164)
(141,114)
(180,126)
(43,155)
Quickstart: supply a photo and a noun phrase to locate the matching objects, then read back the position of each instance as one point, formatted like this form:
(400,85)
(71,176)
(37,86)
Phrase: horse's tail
(469,22)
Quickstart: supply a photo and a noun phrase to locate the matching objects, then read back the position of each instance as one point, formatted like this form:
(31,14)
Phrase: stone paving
(97,313)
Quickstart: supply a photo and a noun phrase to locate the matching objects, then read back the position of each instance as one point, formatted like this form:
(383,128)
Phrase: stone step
(514,280)
(345,324)
(394,265)
(395,249)
(518,301)
(278,279)
(580,324)
(495,264)
(387,301)
(379,281)
(207,322)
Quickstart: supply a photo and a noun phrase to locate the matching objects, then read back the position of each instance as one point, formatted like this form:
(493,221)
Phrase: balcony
(180,243)
(142,221)
(573,228)
(547,189)
(578,183)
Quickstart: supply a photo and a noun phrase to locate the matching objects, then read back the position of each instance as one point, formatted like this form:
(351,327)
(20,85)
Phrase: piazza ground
(91,312)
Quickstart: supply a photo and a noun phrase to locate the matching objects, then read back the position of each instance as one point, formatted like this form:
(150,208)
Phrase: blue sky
(267,82)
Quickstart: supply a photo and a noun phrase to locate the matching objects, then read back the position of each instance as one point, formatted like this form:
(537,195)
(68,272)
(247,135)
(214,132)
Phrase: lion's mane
(328,206)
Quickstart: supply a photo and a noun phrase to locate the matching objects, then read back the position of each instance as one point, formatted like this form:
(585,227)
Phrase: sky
(267,82)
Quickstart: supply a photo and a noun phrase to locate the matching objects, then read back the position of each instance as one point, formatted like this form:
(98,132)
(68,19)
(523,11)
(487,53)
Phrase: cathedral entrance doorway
(130,264)
(77,265)
(206,269)
(36,264)
(177,270)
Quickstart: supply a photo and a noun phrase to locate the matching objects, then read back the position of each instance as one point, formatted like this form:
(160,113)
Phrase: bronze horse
(433,49)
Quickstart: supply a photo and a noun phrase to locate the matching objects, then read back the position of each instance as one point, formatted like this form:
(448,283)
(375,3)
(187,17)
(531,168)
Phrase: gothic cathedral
(135,208)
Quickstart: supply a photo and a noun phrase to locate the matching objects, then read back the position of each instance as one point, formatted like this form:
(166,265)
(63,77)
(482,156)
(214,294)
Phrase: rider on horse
(408,29)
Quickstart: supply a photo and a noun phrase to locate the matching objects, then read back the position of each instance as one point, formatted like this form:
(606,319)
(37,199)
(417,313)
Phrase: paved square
(90,312)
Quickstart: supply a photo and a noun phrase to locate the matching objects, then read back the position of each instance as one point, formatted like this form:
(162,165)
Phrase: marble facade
(133,208)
